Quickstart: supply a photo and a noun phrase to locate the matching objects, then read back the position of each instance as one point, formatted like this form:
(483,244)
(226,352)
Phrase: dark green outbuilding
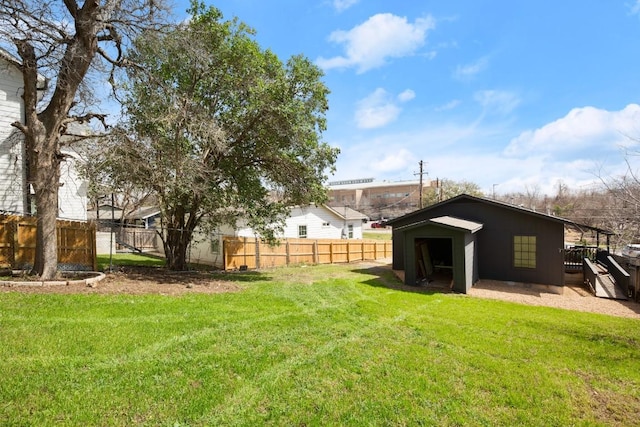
(467,238)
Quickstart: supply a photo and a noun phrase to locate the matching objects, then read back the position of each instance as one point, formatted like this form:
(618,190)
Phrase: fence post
(288,259)
(316,259)
(92,234)
(244,250)
(348,252)
(257,241)
(13,242)
(331,253)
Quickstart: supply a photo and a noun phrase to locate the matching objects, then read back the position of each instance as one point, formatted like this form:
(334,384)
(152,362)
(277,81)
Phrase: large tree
(218,128)
(62,41)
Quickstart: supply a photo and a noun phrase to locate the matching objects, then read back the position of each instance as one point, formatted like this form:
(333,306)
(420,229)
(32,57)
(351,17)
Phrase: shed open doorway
(434,261)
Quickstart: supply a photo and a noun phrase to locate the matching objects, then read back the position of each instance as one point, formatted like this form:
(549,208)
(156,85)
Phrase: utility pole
(420,173)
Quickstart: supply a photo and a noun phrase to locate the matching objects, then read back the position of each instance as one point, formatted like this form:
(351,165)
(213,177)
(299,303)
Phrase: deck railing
(574,256)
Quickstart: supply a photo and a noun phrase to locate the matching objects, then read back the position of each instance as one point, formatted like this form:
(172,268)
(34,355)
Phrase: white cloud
(449,105)
(406,96)
(634,8)
(497,101)
(342,5)
(376,110)
(566,150)
(371,43)
(393,161)
(469,71)
(379,108)
(581,129)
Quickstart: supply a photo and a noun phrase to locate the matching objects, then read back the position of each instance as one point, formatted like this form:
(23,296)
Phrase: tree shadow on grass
(163,275)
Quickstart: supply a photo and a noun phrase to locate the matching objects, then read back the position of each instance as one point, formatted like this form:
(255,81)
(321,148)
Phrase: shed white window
(524,251)
(302,231)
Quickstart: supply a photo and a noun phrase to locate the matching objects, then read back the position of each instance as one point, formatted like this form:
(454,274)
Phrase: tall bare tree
(62,41)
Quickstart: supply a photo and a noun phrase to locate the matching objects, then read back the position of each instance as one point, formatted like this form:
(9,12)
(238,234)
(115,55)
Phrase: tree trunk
(180,224)
(176,245)
(45,177)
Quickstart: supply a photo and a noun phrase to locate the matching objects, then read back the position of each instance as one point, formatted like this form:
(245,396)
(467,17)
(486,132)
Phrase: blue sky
(510,95)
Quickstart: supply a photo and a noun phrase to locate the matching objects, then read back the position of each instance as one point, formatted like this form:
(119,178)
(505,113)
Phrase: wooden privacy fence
(137,238)
(254,253)
(76,243)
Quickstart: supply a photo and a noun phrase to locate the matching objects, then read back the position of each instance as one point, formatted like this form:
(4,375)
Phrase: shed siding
(12,190)
(470,261)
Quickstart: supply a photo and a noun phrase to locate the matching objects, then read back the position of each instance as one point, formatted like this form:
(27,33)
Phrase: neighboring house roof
(9,58)
(144,212)
(16,63)
(406,219)
(345,212)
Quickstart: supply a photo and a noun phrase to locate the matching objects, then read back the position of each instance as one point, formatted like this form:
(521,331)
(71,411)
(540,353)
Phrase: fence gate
(76,243)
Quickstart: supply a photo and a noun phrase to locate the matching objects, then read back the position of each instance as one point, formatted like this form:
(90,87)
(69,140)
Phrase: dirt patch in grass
(140,281)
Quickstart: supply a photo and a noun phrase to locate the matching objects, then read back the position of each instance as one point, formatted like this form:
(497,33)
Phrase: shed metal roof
(408,217)
(447,221)
(460,223)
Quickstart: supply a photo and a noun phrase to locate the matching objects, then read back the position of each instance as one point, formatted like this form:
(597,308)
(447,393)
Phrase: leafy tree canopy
(448,188)
(219,128)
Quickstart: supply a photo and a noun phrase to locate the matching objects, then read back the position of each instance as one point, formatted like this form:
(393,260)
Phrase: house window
(302,231)
(215,244)
(350,228)
(524,251)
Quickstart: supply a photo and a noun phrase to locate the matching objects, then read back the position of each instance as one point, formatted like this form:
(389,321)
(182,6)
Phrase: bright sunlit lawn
(128,259)
(315,346)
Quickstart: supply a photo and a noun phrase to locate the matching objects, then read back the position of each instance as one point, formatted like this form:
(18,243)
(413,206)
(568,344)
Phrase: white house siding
(72,194)
(321,223)
(72,198)
(12,190)
(207,248)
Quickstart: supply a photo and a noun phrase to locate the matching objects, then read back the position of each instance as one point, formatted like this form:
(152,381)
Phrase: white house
(317,222)
(310,222)
(15,196)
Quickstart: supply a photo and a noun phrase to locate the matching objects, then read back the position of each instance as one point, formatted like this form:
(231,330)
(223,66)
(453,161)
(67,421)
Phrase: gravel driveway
(574,298)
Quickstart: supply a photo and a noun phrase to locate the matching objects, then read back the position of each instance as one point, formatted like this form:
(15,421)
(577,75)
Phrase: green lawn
(311,346)
(372,235)
(128,259)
